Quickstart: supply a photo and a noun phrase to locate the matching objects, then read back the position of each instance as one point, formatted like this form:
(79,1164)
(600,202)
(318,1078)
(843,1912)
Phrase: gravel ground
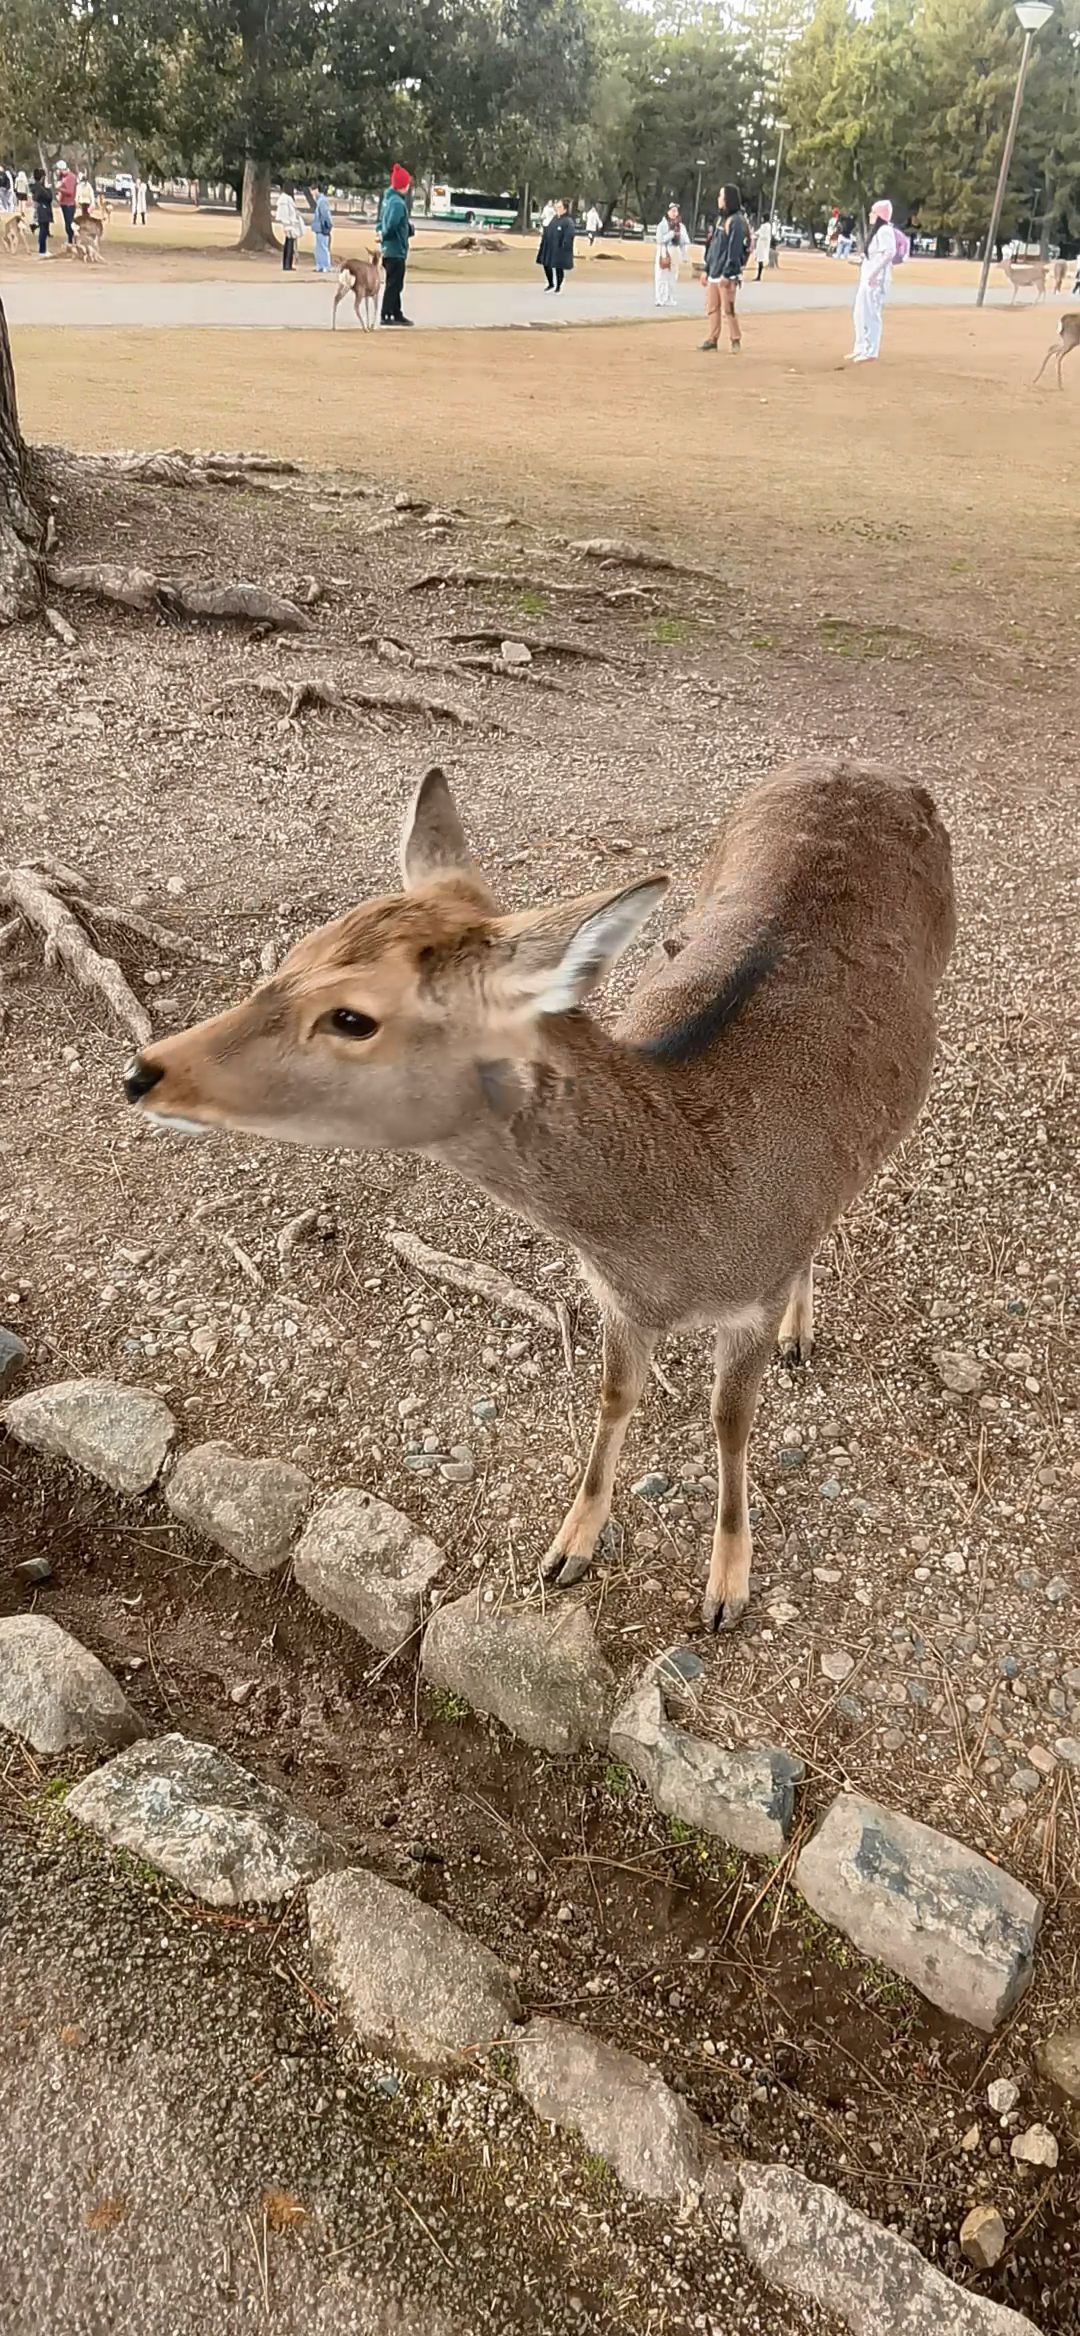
(913,1625)
(190,2146)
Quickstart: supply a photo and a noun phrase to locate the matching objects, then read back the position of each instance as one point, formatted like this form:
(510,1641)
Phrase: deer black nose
(139,1077)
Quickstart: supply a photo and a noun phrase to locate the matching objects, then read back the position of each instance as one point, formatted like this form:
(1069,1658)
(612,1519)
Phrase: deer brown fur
(361,279)
(770,1058)
(1067,339)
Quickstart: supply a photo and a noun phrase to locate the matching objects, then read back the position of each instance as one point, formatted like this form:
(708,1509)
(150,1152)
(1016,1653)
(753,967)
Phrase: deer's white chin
(183,1127)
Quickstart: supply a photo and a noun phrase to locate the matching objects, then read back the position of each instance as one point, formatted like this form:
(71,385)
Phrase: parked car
(627,229)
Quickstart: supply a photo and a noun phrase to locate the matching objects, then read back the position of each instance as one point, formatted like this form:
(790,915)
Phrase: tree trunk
(256,224)
(22,526)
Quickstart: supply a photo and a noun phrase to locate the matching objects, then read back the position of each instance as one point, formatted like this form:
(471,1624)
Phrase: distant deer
(771,1057)
(1068,337)
(361,278)
(1057,277)
(16,233)
(1024,272)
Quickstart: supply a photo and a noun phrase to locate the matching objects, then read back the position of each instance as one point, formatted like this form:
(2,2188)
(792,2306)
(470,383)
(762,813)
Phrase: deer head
(392,1028)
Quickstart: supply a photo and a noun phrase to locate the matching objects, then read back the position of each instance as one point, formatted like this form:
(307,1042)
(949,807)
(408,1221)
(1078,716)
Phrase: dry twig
(470,1275)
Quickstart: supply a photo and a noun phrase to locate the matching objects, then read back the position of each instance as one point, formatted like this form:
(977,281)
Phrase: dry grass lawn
(935,492)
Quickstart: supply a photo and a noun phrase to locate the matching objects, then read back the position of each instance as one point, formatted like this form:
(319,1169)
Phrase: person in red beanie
(394,230)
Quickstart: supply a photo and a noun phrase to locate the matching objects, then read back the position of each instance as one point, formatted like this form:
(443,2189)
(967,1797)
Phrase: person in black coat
(556,252)
(41,197)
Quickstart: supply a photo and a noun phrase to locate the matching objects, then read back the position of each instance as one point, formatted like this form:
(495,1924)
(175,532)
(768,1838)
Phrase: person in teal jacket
(394,230)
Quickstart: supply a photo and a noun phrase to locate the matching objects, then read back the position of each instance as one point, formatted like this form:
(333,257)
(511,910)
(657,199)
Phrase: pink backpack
(903,247)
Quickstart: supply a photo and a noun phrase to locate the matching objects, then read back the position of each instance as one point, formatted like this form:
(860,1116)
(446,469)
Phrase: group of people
(37,199)
(728,250)
(673,248)
(393,229)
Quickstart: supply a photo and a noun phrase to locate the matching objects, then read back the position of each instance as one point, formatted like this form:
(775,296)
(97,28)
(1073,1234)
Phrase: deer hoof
(795,1350)
(720,1614)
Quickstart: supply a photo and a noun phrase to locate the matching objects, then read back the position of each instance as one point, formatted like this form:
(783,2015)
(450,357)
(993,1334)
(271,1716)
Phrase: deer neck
(584,1141)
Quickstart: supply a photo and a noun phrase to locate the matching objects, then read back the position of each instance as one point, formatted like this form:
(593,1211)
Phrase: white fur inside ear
(595,947)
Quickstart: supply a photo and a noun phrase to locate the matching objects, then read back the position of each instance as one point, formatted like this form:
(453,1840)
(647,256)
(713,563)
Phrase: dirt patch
(929,1538)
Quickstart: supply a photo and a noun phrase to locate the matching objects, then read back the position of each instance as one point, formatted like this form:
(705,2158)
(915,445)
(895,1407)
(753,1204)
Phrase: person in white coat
(672,245)
(875,270)
(762,248)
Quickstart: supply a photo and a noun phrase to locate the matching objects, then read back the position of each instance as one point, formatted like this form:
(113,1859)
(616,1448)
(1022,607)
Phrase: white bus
(461,207)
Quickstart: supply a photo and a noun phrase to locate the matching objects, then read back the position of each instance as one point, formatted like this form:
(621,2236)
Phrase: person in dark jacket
(41,198)
(725,258)
(556,252)
(394,230)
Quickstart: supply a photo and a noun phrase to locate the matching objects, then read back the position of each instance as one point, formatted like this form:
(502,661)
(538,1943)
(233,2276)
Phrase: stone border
(414,1987)
(960,1929)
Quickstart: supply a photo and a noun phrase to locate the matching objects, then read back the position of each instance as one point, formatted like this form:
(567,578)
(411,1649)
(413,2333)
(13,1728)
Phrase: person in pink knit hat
(875,269)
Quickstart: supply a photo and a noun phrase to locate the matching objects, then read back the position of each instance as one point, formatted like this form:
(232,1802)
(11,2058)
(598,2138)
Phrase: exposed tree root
(60,628)
(139,588)
(619,553)
(170,467)
(387,705)
(489,661)
(539,643)
(467,1273)
(39,903)
(504,580)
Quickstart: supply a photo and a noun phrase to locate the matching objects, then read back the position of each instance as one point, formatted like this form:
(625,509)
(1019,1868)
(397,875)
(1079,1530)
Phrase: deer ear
(432,837)
(554,957)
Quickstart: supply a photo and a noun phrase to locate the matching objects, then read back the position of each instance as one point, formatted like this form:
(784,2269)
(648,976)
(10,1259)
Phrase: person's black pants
(68,215)
(554,278)
(760,271)
(288,253)
(394,279)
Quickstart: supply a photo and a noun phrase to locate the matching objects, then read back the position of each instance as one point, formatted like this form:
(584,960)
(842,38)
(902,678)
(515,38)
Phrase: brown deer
(1024,272)
(1068,337)
(16,233)
(1057,277)
(361,278)
(772,1055)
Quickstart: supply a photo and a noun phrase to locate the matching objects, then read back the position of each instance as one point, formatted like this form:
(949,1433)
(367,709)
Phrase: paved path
(301,304)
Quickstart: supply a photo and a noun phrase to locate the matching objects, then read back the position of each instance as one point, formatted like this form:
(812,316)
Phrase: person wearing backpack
(885,248)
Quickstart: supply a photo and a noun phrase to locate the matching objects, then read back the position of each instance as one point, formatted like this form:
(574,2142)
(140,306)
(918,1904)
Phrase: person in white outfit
(672,245)
(874,272)
(138,201)
(762,248)
(593,224)
(287,217)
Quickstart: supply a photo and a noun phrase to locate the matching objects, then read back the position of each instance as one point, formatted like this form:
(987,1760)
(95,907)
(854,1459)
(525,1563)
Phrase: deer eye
(348,1024)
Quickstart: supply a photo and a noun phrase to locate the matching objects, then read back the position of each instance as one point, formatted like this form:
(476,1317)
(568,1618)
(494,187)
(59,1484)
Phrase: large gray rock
(807,2241)
(54,1692)
(367,1563)
(12,1358)
(538,1670)
(746,1798)
(1058,2059)
(622,2109)
(120,1434)
(959,1928)
(252,1509)
(205,1821)
(410,1982)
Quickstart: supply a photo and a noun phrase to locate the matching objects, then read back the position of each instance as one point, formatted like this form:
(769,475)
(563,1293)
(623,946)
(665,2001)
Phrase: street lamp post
(699,166)
(783,127)
(1031,15)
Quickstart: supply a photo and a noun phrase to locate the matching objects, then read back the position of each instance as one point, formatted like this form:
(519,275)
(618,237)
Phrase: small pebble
(1002,2095)
(1036,2147)
(835,1664)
